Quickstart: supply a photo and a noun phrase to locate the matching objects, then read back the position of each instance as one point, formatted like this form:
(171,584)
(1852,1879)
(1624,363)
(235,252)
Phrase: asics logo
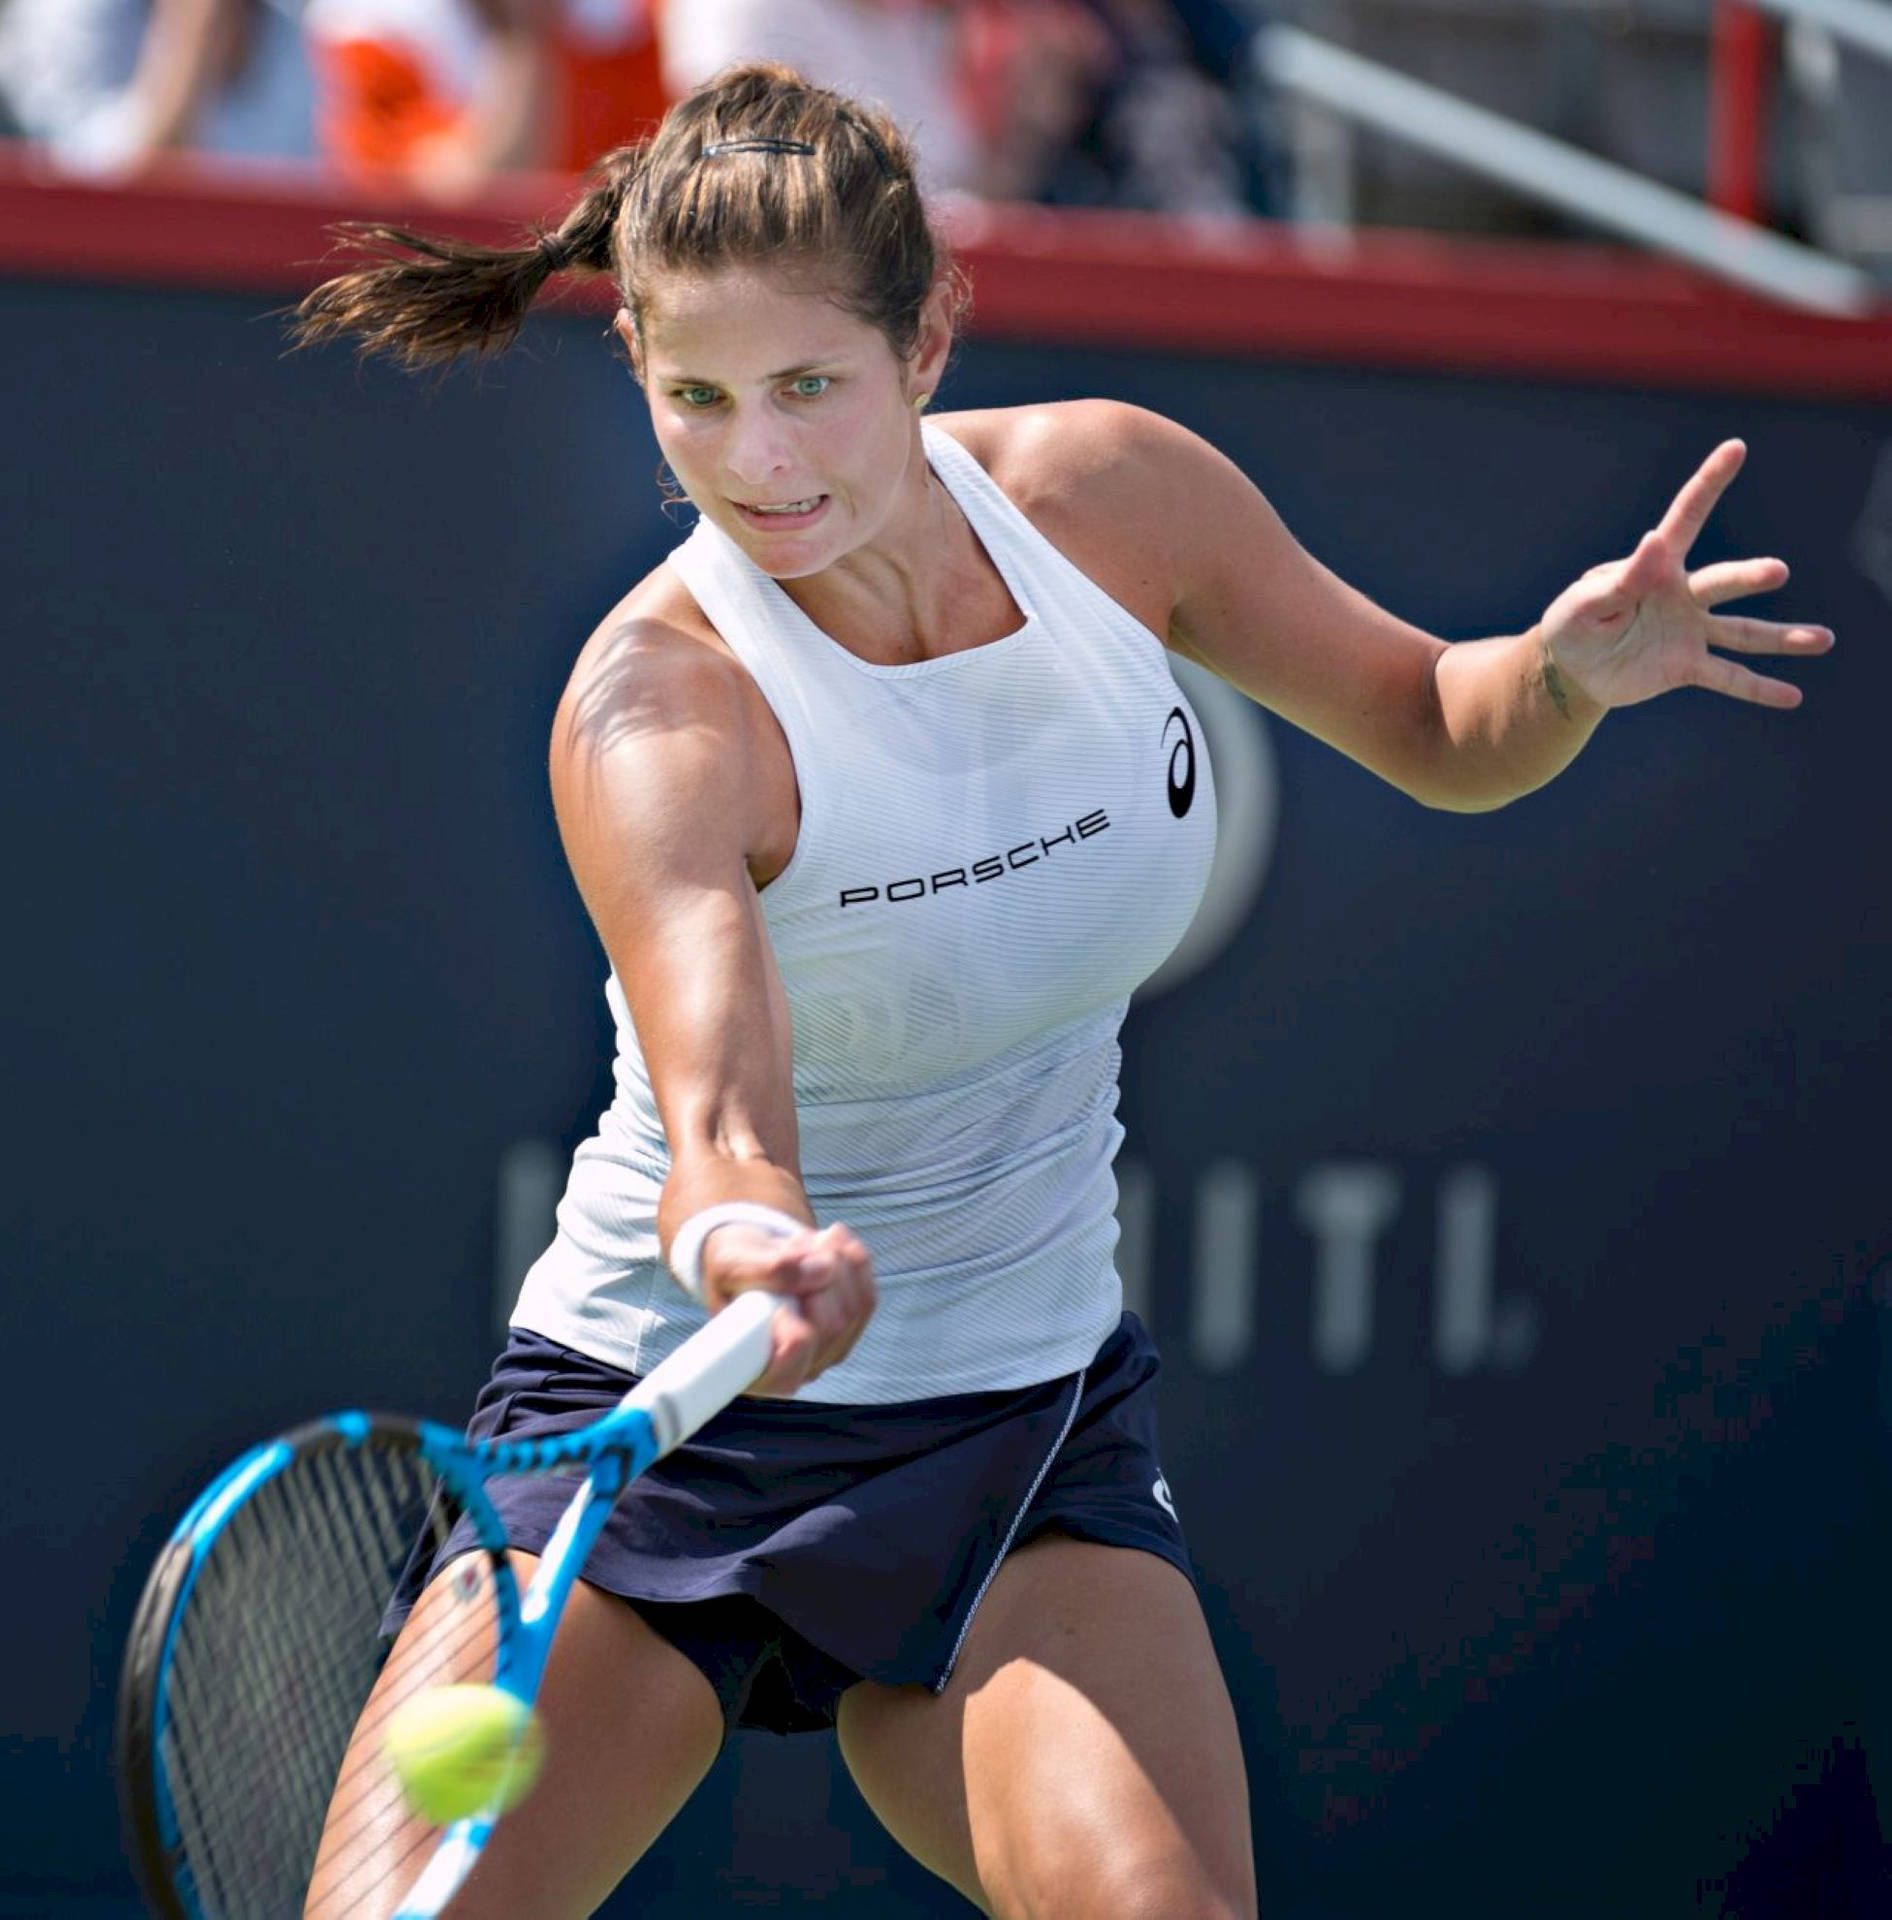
(1182,763)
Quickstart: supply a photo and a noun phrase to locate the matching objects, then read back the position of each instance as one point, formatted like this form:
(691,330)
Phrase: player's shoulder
(652,664)
(1076,454)
(1110,485)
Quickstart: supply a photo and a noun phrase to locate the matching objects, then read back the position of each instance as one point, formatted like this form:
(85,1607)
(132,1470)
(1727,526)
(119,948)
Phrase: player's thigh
(1084,1759)
(631,1726)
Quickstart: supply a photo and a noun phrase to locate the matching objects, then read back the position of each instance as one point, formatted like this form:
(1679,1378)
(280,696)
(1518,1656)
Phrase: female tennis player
(883,799)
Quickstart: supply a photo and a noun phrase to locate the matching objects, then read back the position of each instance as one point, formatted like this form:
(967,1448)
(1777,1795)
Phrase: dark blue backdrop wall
(1506,1191)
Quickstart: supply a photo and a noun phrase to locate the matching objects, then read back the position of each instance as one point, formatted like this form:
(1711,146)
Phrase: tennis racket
(257,1672)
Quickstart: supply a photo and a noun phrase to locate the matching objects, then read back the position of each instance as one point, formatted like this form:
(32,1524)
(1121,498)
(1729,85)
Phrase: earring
(919,402)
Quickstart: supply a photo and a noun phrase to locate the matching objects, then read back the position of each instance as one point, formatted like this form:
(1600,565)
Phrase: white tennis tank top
(995,847)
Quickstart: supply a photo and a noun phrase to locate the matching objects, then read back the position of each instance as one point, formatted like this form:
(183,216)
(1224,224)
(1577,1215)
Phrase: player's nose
(755,452)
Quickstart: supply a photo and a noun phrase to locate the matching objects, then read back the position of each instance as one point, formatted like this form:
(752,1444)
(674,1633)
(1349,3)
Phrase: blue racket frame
(671,1403)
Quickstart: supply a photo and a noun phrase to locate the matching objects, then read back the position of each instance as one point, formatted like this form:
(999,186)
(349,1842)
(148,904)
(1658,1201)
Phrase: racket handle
(708,1370)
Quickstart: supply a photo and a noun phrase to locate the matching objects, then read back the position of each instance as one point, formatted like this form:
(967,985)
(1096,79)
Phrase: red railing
(1740,58)
(1250,290)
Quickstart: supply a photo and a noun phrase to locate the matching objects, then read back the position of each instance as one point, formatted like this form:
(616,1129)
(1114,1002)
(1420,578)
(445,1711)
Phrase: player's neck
(923,586)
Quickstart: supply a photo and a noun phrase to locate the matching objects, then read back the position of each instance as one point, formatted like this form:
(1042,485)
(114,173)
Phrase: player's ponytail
(759,168)
(422,300)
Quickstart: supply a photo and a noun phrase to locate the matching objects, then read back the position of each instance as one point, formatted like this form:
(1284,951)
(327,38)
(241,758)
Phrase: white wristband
(686,1250)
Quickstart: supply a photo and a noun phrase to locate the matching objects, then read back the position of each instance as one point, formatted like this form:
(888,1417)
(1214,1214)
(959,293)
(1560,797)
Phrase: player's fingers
(808,1339)
(851,1319)
(1741,683)
(1609,593)
(1735,579)
(830,1277)
(1689,510)
(1739,635)
(843,1305)
(810,1263)
(792,1355)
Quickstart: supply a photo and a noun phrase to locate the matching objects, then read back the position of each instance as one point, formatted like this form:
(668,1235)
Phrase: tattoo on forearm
(1553,680)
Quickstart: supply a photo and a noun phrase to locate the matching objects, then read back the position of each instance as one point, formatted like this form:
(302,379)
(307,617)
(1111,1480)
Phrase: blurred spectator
(1089,102)
(608,84)
(988,90)
(105,85)
(1166,132)
(1077,102)
(441,94)
(1029,73)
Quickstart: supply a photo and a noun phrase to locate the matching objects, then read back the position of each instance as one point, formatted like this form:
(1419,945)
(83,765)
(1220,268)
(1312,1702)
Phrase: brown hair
(758,166)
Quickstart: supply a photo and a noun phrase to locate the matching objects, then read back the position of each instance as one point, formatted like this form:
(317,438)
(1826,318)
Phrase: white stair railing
(1533,164)
(1867,24)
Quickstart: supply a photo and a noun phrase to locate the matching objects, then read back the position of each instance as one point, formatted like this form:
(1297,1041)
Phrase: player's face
(788,421)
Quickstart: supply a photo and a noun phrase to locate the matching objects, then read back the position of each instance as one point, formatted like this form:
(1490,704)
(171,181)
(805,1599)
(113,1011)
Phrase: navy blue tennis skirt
(791,1549)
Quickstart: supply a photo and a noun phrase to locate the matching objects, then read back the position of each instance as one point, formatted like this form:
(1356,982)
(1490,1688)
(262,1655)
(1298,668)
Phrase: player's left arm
(1466,726)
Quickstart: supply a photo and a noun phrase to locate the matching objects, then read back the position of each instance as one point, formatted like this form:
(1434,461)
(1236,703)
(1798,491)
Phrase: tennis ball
(463,1750)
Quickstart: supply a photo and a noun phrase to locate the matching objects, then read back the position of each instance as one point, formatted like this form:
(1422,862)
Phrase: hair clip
(717,148)
(873,144)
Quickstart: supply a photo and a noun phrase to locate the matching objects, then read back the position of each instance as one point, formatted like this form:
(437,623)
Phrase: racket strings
(277,1650)
(236,1712)
(256,1719)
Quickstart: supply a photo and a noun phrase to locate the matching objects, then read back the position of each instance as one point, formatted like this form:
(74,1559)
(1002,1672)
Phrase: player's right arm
(664,781)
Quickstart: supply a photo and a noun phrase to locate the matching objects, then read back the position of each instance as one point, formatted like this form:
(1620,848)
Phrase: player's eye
(697,397)
(811,386)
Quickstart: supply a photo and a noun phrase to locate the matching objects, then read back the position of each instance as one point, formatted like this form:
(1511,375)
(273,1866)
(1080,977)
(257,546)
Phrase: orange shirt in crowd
(394,74)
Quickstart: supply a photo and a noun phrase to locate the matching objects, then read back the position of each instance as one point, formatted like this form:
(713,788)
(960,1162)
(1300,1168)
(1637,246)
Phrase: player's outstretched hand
(827,1273)
(1634,628)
